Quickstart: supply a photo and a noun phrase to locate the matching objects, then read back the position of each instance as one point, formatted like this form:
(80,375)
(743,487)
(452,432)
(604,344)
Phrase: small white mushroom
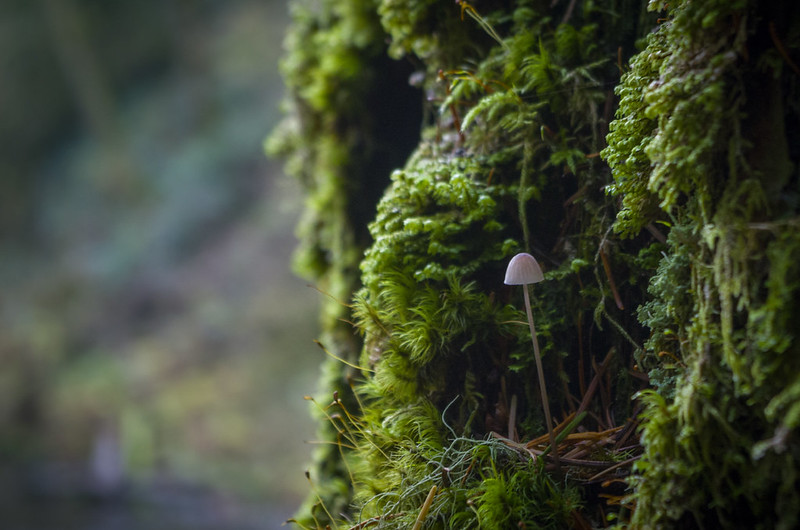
(523,270)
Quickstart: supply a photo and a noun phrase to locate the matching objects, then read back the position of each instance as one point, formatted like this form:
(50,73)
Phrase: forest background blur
(152,334)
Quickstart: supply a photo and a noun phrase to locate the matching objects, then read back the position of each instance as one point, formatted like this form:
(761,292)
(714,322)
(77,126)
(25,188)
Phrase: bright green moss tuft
(440,218)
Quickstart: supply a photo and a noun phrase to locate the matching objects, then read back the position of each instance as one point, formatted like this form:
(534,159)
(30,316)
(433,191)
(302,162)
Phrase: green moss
(629,136)
(342,145)
(679,256)
(444,353)
(439,218)
(682,138)
(525,498)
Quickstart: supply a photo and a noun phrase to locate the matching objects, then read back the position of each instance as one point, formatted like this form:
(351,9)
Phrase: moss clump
(476,483)
(342,143)
(440,217)
(721,354)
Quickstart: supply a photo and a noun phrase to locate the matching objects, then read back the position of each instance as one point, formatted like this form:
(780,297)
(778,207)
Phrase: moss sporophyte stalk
(645,153)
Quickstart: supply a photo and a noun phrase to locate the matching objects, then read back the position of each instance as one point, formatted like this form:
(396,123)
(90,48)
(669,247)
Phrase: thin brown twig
(556,431)
(581,375)
(587,397)
(773,33)
(512,418)
(612,468)
(568,13)
(630,427)
(656,233)
(611,283)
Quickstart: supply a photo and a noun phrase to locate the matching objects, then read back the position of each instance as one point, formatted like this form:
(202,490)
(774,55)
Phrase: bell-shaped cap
(523,269)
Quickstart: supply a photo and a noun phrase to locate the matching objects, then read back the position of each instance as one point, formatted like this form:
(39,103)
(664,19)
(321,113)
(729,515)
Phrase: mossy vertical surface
(670,262)
(708,112)
(341,142)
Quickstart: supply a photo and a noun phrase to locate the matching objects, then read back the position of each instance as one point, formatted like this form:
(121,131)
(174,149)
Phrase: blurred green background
(155,347)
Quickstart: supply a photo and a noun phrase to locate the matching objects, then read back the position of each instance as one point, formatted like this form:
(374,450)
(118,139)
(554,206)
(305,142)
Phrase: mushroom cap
(523,269)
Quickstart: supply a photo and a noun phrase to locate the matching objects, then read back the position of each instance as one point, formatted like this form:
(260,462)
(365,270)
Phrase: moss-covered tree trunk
(647,156)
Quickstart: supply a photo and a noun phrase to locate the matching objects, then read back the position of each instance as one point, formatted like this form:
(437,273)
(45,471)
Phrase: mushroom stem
(545,404)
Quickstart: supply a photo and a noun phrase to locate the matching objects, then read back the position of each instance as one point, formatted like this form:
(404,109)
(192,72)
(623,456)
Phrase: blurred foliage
(144,242)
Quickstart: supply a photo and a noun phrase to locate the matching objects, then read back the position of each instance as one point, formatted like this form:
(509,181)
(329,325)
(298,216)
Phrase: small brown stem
(630,428)
(599,371)
(581,369)
(773,33)
(453,110)
(611,283)
(512,419)
(656,233)
(568,14)
(556,431)
(614,467)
